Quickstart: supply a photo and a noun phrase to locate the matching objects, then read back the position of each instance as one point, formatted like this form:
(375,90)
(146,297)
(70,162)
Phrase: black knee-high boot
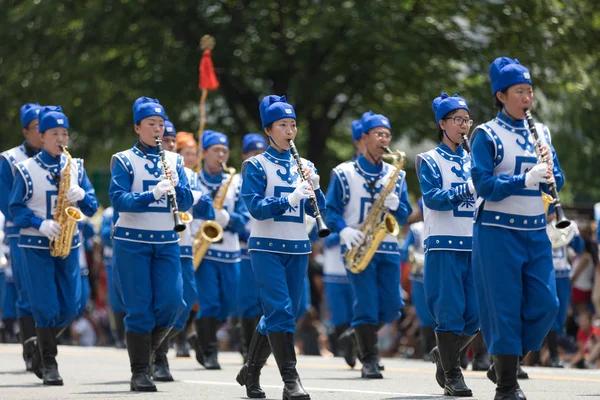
(552,341)
(248,327)
(139,347)
(160,348)
(27,326)
(46,339)
(282,344)
(481,358)
(366,339)
(345,345)
(447,355)
(207,344)
(182,347)
(258,353)
(507,386)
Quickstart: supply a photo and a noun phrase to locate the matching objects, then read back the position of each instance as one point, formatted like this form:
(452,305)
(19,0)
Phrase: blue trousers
(563,292)
(280,279)
(85,293)
(16,262)
(339,300)
(234,309)
(377,291)
(420,303)
(516,287)
(450,291)
(148,276)
(114,297)
(2,288)
(216,285)
(306,299)
(190,295)
(247,297)
(9,301)
(53,285)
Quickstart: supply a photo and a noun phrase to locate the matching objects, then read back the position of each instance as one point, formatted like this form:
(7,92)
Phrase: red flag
(208,79)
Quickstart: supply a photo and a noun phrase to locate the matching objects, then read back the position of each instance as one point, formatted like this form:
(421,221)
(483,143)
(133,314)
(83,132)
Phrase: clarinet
(561,220)
(179,225)
(465,144)
(322,230)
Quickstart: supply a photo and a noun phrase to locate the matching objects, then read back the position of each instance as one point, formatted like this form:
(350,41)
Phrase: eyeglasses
(382,135)
(460,120)
(59,135)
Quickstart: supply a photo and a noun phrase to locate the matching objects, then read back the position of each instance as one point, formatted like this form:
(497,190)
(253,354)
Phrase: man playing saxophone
(216,273)
(45,188)
(355,195)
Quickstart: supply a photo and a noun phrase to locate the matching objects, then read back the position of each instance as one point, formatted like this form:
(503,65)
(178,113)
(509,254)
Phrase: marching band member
(146,249)
(415,240)
(201,208)
(86,236)
(8,292)
(353,188)
(512,256)
(53,283)
(338,291)
(448,206)
(249,309)
(278,245)
(216,274)
(117,307)
(8,160)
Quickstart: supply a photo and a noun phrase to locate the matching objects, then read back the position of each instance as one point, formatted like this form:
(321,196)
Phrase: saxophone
(65,214)
(378,223)
(211,231)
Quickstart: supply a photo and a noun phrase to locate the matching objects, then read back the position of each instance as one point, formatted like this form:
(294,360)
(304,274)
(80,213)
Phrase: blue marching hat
(371,120)
(273,108)
(505,73)
(210,138)
(145,107)
(52,117)
(445,104)
(29,112)
(169,129)
(357,130)
(253,141)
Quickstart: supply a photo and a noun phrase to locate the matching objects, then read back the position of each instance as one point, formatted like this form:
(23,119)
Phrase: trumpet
(561,220)
(322,230)
(178,222)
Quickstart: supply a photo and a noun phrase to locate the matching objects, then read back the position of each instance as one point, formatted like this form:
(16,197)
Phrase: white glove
(314,179)
(392,201)
(222,217)
(74,194)
(174,175)
(302,191)
(50,228)
(161,188)
(537,174)
(351,237)
(197,195)
(546,154)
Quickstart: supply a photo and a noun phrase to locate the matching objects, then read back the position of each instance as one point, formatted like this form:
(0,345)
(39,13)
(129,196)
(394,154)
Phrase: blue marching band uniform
(482,260)
(512,255)
(53,284)
(353,187)
(14,278)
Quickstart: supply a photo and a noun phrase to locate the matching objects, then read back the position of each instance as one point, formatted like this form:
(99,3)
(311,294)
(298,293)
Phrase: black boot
(160,348)
(139,347)
(366,339)
(282,344)
(194,341)
(481,358)
(552,341)
(207,342)
(27,326)
(491,373)
(46,339)
(258,353)
(119,333)
(248,327)
(345,345)
(427,341)
(182,346)
(506,377)
(449,348)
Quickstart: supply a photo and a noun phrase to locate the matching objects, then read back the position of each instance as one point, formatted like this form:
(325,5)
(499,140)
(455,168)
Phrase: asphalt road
(103,373)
